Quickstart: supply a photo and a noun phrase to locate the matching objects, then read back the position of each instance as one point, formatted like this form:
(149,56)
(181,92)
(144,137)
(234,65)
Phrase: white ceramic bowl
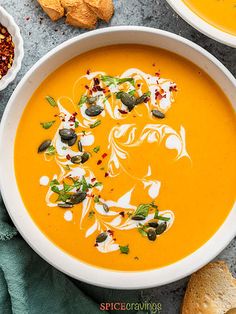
(29,230)
(8,21)
(197,22)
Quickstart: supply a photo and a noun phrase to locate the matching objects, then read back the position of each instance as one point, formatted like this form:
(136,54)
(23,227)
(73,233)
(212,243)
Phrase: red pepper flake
(74,114)
(6,51)
(173,88)
(96,81)
(146,99)
(88,72)
(157,74)
(86,86)
(106,174)
(139,85)
(154,64)
(90,195)
(94,89)
(68,157)
(110,232)
(93,179)
(99,162)
(104,155)
(72,119)
(27,18)
(122,214)
(114,239)
(158,95)
(122,111)
(95,244)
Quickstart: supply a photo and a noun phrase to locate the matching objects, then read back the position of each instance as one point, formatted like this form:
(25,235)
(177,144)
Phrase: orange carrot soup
(125,157)
(219,13)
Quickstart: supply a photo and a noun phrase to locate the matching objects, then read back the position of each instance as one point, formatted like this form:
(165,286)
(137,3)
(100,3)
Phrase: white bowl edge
(28,229)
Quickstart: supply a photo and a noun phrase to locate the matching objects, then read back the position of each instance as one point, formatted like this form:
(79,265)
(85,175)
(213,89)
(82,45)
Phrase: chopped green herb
(110,80)
(51,101)
(96,199)
(84,132)
(124,249)
(156,216)
(142,232)
(66,167)
(64,148)
(83,100)
(51,150)
(91,214)
(94,125)
(76,124)
(54,182)
(106,98)
(132,92)
(97,184)
(85,184)
(47,125)
(96,149)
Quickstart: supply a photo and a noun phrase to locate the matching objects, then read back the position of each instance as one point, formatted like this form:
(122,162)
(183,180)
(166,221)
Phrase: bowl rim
(92,274)
(201,25)
(19,49)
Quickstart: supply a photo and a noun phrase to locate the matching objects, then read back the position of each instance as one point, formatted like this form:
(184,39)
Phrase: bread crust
(104,9)
(52,8)
(211,290)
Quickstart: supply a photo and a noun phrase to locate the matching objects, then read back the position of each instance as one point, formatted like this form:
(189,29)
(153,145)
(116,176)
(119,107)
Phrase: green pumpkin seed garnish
(106,208)
(101,237)
(141,99)
(44,146)
(151,233)
(128,100)
(138,217)
(78,197)
(84,157)
(80,147)
(94,111)
(73,140)
(153,224)
(158,114)
(91,100)
(65,205)
(161,228)
(67,134)
(76,159)
(51,101)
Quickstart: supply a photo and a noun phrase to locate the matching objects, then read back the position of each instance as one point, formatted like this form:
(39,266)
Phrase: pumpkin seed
(91,100)
(106,208)
(76,159)
(141,99)
(138,217)
(67,134)
(65,205)
(80,147)
(153,224)
(84,157)
(44,146)
(78,197)
(73,140)
(151,233)
(128,100)
(101,237)
(158,114)
(93,111)
(161,228)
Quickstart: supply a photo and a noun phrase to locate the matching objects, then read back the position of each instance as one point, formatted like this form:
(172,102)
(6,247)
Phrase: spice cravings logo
(146,307)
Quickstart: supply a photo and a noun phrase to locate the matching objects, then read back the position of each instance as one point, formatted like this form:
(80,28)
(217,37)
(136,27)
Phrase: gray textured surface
(41,35)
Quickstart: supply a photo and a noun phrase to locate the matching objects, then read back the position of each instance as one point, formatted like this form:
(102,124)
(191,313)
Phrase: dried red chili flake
(158,95)
(72,119)
(106,174)
(95,244)
(93,179)
(94,89)
(86,86)
(6,51)
(122,214)
(157,74)
(139,85)
(104,155)
(154,64)
(122,111)
(110,232)
(88,72)
(96,81)
(68,157)
(99,162)
(74,114)
(146,99)
(27,18)
(173,88)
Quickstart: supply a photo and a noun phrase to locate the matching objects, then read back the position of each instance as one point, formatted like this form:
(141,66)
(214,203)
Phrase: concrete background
(41,35)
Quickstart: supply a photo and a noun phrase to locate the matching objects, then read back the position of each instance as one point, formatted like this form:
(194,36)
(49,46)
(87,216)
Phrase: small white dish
(202,26)
(8,22)
(8,185)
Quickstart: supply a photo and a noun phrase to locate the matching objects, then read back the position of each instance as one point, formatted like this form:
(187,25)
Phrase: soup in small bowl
(121,164)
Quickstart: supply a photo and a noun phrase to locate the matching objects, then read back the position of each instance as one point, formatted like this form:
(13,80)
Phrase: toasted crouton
(78,14)
(52,8)
(104,9)
(211,290)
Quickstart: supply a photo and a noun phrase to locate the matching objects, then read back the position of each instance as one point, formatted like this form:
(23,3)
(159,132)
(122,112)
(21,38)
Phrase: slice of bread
(78,14)
(104,9)
(52,8)
(211,290)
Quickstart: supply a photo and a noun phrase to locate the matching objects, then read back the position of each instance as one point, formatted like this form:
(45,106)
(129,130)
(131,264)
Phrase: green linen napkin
(29,285)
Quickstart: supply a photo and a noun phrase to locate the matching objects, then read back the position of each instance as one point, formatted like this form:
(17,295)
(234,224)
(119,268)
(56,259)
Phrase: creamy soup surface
(125,157)
(219,13)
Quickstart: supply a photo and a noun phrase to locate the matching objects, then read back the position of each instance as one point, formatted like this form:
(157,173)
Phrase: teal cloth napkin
(29,285)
